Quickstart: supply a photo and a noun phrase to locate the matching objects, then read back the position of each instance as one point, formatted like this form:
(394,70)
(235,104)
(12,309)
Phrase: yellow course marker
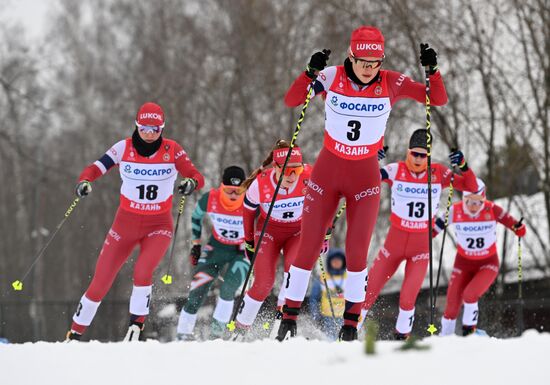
(432,329)
(17,285)
(167,279)
(231,326)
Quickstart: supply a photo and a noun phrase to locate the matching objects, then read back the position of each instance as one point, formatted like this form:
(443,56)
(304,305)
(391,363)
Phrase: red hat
(279,155)
(150,114)
(367,41)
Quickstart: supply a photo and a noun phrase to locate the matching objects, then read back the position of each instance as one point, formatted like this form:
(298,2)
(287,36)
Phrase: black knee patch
(351,317)
(291,310)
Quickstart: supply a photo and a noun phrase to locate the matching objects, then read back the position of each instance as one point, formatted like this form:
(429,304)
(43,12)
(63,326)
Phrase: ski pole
(321,265)
(167,278)
(18,284)
(231,324)
(520,267)
(447,210)
(431,329)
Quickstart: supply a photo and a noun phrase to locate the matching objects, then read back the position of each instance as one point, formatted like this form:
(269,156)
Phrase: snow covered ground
(451,360)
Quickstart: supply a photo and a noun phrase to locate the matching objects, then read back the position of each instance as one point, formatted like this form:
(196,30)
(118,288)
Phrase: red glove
(520,229)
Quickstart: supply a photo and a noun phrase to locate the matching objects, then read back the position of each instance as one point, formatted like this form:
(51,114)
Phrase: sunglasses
(233,190)
(418,154)
(368,63)
(289,170)
(149,129)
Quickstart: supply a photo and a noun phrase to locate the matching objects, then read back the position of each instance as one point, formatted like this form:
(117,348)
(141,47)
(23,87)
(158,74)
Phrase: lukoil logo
(368,46)
(150,115)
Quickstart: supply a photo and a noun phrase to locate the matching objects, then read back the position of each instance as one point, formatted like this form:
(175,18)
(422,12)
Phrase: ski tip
(167,279)
(432,329)
(231,326)
(17,285)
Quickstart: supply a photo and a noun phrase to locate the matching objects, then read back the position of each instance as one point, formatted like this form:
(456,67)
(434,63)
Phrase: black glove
(317,63)
(382,153)
(83,188)
(457,159)
(428,57)
(187,186)
(249,250)
(195,254)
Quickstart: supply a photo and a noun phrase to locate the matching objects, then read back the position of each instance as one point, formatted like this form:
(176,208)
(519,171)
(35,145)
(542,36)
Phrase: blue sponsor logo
(127,169)
(148,172)
(362,107)
(287,205)
(474,228)
(416,190)
(228,221)
(334,100)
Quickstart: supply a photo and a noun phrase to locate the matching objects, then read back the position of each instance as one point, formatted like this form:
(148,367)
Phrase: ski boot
(72,336)
(274,327)
(401,336)
(287,330)
(217,330)
(239,333)
(135,332)
(347,333)
(467,330)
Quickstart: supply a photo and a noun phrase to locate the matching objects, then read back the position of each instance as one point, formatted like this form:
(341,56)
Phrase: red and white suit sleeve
(503,217)
(250,206)
(297,92)
(100,167)
(401,87)
(388,173)
(465,182)
(186,168)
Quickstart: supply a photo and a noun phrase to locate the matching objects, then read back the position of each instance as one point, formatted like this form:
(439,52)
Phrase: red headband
(280,154)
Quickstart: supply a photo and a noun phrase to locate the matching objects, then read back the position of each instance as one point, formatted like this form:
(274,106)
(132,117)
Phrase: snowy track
(452,360)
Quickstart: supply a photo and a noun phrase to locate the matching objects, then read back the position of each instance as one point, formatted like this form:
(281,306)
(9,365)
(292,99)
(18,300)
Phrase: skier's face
(232,193)
(292,173)
(365,68)
(473,203)
(417,159)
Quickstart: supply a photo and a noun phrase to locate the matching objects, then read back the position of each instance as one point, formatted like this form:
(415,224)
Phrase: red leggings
(358,181)
(276,238)
(399,246)
(152,232)
(469,281)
